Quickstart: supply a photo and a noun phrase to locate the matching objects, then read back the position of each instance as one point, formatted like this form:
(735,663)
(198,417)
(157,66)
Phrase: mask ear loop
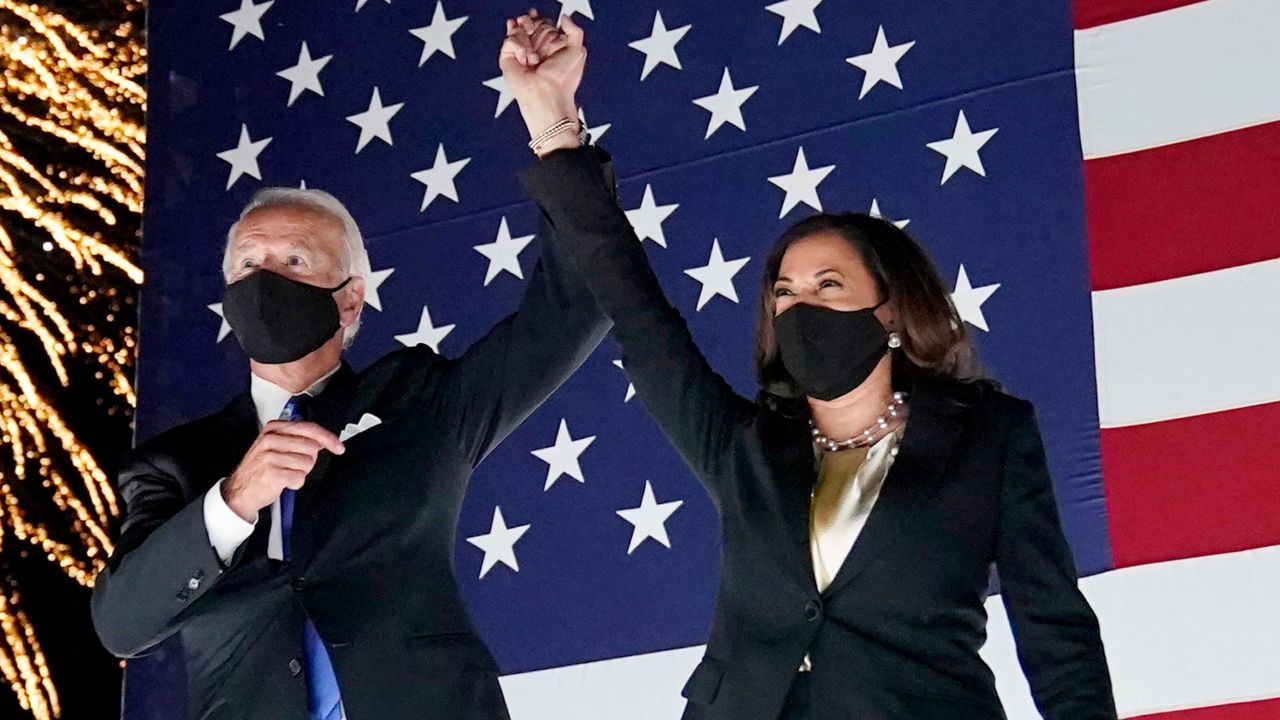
(343,284)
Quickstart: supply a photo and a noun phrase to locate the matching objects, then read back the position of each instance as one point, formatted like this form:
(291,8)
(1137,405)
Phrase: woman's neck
(857,409)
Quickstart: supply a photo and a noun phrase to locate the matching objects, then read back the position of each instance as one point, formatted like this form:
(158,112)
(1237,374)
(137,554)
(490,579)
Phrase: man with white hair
(301,540)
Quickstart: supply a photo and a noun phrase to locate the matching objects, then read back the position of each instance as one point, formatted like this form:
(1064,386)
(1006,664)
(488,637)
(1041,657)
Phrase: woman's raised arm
(695,407)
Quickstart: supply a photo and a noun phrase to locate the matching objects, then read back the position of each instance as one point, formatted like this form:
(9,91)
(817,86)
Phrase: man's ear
(351,301)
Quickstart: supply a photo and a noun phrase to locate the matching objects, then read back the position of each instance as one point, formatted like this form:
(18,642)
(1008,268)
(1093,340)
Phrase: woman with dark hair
(868,490)
(932,339)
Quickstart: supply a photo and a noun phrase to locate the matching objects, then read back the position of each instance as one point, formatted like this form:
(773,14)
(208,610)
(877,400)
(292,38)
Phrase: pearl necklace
(868,437)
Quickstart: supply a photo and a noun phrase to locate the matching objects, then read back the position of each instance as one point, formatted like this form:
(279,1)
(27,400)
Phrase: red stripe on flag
(1183,209)
(1196,486)
(1089,13)
(1261,710)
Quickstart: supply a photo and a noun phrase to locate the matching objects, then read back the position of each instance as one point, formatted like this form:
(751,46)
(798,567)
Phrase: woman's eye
(780,292)
(829,283)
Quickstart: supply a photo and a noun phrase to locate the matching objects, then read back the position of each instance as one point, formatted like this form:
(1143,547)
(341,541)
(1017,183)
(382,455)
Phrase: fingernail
(533,58)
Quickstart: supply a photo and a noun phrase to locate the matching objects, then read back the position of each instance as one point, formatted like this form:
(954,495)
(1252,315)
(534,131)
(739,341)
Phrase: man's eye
(296,261)
(247,263)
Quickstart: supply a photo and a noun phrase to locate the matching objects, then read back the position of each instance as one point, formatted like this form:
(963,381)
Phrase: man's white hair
(354,259)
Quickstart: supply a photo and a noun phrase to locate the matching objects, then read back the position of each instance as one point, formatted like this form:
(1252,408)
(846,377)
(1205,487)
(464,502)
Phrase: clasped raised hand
(542,66)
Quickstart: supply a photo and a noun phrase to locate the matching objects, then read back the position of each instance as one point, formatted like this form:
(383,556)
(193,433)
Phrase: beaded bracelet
(560,126)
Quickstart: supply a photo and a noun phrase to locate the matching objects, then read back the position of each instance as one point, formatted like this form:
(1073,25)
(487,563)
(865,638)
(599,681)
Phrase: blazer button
(299,583)
(295,667)
(812,610)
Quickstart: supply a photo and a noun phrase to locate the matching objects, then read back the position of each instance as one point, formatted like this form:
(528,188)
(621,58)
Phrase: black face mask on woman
(829,352)
(278,319)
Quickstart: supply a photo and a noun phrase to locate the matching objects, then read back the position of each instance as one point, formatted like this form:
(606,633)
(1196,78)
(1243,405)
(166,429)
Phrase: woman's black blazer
(897,633)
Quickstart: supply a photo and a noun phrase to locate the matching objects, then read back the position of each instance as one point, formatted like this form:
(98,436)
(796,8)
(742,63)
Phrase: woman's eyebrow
(820,273)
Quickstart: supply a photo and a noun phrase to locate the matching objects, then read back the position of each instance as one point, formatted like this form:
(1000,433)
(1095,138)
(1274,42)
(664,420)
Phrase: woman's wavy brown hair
(934,339)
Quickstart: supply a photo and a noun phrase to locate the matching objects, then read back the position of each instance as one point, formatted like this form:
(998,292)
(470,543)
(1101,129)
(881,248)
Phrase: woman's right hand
(542,66)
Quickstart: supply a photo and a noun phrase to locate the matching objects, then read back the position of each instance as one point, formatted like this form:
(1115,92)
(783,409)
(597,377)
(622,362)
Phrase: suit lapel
(931,434)
(259,540)
(789,452)
(313,520)
(241,429)
(241,420)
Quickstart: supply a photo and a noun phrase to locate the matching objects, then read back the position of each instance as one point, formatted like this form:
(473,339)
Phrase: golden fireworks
(71,169)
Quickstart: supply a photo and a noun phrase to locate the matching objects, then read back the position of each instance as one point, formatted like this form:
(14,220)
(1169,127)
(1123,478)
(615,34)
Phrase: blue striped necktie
(323,699)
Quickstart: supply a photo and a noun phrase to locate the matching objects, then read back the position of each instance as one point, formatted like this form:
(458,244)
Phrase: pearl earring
(895,340)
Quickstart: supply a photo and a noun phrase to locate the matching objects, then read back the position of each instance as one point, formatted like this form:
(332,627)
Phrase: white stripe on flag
(1184,73)
(1182,634)
(640,687)
(1179,635)
(1190,345)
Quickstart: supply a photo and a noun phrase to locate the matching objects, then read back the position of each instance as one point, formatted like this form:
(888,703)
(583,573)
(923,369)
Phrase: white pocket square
(352,429)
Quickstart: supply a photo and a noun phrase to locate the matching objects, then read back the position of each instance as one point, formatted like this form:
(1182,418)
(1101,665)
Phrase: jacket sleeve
(696,408)
(163,563)
(1056,632)
(502,378)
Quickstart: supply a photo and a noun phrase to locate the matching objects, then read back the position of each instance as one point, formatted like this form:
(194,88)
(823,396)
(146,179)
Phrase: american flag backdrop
(1098,180)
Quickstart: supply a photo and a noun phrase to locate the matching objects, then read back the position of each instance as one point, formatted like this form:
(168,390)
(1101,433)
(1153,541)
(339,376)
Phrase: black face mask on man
(278,319)
(829,352)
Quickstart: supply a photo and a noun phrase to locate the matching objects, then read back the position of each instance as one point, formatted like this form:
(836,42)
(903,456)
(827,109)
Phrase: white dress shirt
(227,530)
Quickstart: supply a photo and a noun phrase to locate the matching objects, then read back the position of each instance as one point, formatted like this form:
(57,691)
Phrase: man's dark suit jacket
(373,535)
(897,633)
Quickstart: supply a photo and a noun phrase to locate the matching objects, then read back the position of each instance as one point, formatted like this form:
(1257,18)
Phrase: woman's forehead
(821,248)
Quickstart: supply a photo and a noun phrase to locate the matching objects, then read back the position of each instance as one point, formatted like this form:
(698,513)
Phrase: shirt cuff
(227,530)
